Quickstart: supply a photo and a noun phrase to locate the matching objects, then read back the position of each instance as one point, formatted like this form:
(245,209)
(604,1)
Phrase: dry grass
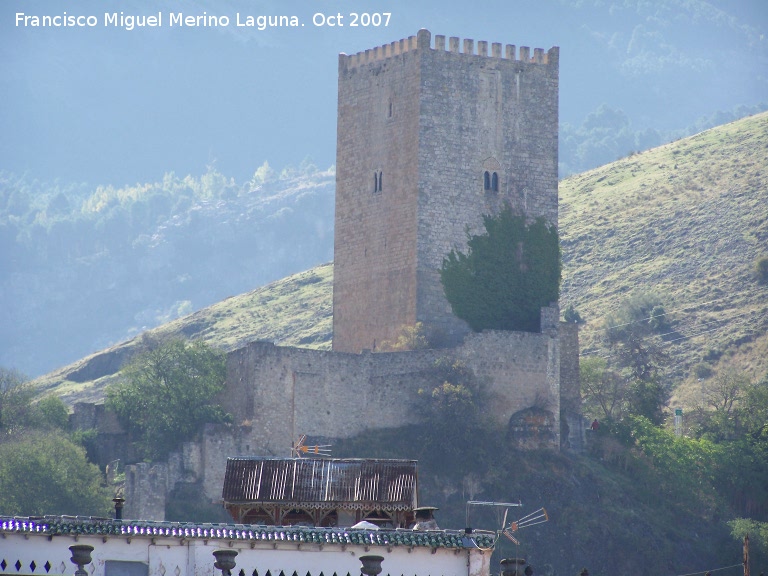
(295,311)
(686,220)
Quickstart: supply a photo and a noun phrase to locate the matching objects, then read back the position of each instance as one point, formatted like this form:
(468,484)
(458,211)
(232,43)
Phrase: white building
(301,514)
(40,547)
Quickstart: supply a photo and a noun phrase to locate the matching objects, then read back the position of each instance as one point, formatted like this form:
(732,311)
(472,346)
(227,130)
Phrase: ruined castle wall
(518,370)
(277,393)
(282,392)
(113,443)
(570,389)
(146,490)
(480,113)
(218,444)
(374,291)
(573,428)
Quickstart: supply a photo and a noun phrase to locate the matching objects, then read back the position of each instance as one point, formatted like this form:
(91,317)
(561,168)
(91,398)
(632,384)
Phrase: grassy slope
(295,311)
(687,220)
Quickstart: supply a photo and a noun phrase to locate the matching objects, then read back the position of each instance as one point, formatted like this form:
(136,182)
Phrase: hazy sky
(107,105)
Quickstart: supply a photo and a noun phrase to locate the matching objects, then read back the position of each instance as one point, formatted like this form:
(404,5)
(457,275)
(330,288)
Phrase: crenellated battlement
(455,129)
(455,45)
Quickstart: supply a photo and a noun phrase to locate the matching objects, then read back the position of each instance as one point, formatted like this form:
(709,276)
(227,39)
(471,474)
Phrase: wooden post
(746,555)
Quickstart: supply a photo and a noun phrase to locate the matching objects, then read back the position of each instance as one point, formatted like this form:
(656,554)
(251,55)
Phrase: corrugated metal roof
(311,482)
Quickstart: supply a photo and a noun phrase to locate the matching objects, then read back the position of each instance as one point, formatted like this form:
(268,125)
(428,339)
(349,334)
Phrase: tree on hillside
(722,395)
(758,539)
(603,390)
(15,400)
(754,409)
(20,412)
(632,335)
(507,275)
(167,394)
(733,406)
(735,417)
(761,270)
(46,473)
(42,471)
(633,338)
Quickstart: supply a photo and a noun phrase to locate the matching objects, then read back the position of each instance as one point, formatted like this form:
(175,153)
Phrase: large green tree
(507,274)
(19,411)
(167,394)
(42,471)
(46,473)
(736,417)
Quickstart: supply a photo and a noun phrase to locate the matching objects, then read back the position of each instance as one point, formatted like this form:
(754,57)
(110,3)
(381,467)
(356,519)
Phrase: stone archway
(533,428)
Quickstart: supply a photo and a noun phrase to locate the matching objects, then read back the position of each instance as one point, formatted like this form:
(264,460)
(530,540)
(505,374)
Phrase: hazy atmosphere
(86,108)
(110,106)
(544,278)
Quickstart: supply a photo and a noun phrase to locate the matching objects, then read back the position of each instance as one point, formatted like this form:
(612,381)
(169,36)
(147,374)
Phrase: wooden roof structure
(321,491)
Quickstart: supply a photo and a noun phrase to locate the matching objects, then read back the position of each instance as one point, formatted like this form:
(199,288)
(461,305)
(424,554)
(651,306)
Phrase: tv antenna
(538,517)
(299,448)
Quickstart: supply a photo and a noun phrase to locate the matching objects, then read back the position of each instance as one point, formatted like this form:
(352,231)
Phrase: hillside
(295,311)
(686,220)
(84,267)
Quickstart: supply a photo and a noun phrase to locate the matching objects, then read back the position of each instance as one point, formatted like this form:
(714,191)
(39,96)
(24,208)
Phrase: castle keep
(429,140)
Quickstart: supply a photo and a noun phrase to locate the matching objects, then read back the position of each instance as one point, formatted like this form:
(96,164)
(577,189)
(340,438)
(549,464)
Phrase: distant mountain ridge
(633,72)
(686,220)
(81,269)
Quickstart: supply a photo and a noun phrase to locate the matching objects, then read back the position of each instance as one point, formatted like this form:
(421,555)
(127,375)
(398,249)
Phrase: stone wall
(479,113)
(277,393)
(375,229)
(146,490)
(430,122)
(572,426)
(113,443)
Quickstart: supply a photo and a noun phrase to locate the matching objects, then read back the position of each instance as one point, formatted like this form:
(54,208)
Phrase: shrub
(507,275)
(761,269)
(702,370)
(572,316)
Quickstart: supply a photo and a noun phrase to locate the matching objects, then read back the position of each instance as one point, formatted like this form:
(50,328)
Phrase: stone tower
(431,138)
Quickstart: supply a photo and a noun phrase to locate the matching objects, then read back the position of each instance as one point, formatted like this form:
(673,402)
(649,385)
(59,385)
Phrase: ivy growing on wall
(507,275)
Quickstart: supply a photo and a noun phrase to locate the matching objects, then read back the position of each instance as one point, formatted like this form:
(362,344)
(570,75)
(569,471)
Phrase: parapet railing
(424,40)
